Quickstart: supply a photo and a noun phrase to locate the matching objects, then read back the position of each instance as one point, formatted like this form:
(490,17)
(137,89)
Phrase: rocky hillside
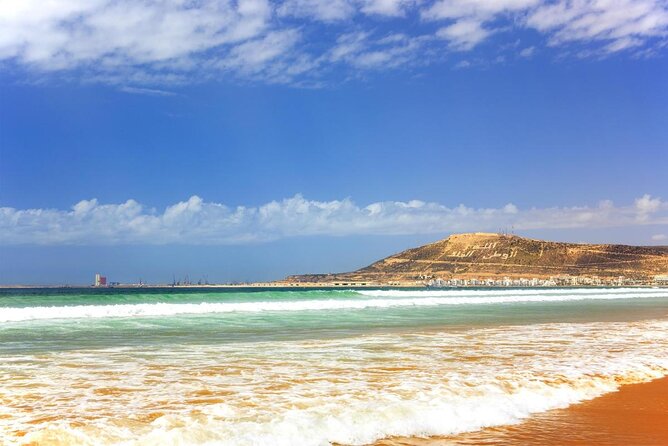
(484,255)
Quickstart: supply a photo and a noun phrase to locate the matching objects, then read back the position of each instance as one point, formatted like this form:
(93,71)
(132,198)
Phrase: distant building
(100,280)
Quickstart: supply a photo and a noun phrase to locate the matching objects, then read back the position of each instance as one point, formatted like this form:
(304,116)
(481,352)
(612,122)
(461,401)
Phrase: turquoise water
(285,366)
(50,330)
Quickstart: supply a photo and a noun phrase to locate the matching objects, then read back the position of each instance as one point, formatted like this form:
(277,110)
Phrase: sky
(247,140)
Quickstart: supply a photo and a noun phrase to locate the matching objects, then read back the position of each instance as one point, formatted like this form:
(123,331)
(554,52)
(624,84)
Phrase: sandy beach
(637,415)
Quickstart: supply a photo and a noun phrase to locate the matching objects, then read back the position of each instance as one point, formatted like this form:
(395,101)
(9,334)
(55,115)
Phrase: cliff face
(484,255)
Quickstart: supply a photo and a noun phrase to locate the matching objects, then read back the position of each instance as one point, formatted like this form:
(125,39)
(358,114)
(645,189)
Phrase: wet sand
(635,415)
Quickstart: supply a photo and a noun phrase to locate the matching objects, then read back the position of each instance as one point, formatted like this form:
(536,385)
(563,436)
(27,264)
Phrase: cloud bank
(147,42)
(196,221)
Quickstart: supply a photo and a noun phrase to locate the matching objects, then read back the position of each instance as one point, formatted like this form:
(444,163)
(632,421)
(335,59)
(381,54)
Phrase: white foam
(380,299)
(513,292)
(360,423)
(315,392)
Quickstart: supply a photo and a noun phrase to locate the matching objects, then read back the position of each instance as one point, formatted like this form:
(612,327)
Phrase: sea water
(311,367)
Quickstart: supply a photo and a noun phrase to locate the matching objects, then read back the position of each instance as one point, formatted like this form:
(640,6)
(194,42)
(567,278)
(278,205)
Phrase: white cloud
(337,10)
(145,43)
(527,52)
(67,33)
(479,9)
(348,46)
(147,91)
(462,65)
(621,23)
(646,205)
(394,8)
(510,209)
(659,237)
(470,16)
(360,50)
(324,10)
(255,55)
(464,34)
(196,221)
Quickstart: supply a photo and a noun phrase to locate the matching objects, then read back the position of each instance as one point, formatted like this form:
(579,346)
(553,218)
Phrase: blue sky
(248,140)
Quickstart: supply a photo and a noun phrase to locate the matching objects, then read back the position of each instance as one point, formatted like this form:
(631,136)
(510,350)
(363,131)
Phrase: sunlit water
(272,367)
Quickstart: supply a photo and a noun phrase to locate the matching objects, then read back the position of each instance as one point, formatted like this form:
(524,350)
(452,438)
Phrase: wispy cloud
(620,24)
(146,91)
(196,221)
(323,10)
(362,51)
(151,42)
(464,34)
(528,52)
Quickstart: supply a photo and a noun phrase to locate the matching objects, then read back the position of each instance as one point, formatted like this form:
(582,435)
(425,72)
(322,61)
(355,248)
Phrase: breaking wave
(359,301)
(318,392)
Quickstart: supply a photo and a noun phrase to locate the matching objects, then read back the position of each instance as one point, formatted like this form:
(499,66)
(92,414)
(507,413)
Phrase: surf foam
(312,393)
(366,299)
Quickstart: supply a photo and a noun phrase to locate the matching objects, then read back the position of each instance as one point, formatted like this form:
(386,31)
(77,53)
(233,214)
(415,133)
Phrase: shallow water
(285,367)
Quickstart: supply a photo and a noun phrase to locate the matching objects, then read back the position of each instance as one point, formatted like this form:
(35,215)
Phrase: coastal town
(421,281)
(555,281)
(508,282)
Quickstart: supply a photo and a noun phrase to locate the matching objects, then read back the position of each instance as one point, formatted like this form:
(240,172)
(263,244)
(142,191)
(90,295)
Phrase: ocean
(311,367)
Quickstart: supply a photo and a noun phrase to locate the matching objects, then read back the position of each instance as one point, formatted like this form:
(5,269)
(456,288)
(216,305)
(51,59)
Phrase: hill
(494,256)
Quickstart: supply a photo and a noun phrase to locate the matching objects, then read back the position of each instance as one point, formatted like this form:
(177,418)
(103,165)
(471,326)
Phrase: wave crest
(365,299)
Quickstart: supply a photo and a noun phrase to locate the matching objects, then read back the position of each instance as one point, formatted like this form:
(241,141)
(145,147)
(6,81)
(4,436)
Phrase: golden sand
(636,415)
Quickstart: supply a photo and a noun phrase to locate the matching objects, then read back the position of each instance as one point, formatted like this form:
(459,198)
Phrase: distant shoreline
(284,286)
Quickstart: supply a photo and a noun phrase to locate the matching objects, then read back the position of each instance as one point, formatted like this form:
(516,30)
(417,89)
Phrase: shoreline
(291,374)
(284,286)
(635,414)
